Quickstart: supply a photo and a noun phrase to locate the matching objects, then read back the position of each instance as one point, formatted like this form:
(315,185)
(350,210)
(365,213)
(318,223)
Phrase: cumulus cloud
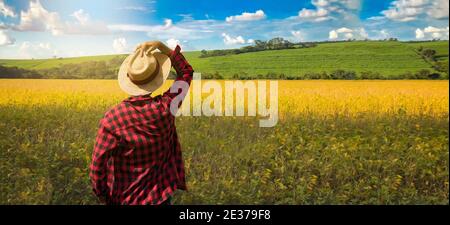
(431,32)
(409,10)
(346,33)
(246,16)
(37,18)
(333,35)
(5,39)
(228,40)
(420,34)
(316,15)
(120,45)
(6,10)
(330,9)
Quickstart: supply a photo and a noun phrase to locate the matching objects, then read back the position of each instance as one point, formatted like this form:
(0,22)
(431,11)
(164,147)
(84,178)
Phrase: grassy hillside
(440,47)
(385,58)
(37,64)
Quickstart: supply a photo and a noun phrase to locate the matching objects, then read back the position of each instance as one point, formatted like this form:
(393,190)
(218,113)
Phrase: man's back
(137,156)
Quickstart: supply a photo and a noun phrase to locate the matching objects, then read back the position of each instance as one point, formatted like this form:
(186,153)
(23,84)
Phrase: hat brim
(136,90)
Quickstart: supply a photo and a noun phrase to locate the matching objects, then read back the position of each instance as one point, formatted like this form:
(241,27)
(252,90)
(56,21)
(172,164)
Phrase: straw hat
(143,72)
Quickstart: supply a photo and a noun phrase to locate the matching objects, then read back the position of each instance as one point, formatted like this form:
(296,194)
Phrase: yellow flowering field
(336,142)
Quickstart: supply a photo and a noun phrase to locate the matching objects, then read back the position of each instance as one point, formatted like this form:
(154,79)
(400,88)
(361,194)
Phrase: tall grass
(337,142)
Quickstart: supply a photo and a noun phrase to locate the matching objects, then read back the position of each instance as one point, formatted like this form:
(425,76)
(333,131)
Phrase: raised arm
(180,64)
(184,72)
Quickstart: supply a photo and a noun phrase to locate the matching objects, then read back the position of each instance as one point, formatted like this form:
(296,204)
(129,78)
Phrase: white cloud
(331,9)
(436,35)
(431,32)
(120,45)
(410,10)
(168,23)
(439,9)
(384,34)
(5,39)
(228,40)
(35,50)
(376,34)
(187,30)
(298,35)
(6,10)
(431,29)
(333,35)
(405,10)
(316,15)
(81,16)
(321,3)
(347,33)
(172,43)
(37,18)
(246,16)
(420,34)
(250,41)
(344,30)
(362,33)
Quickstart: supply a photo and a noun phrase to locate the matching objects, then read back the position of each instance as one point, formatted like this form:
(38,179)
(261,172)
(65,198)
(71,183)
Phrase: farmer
(137,156)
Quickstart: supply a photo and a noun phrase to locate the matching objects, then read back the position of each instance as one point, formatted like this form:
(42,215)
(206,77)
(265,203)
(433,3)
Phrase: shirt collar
(138,98)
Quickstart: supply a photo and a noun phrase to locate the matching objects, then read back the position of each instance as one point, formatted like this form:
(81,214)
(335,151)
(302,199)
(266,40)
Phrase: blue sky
(48,28)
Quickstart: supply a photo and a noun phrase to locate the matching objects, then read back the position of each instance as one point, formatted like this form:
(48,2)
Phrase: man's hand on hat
(150,46)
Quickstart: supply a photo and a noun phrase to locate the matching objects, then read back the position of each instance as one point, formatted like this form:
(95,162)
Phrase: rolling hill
(386,58)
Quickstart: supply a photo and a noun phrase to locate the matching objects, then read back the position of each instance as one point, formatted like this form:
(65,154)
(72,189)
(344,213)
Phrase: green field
(37,64)
(390,58)
(440,47)
(385,58)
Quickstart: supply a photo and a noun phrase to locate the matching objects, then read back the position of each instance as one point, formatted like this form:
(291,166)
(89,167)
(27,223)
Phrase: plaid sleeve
(184,72)
(105,143)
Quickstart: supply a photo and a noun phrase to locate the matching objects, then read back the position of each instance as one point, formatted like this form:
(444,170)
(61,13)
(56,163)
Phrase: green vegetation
(38,64)
(273,44)
(337,142)
(435,55)
(364,59)
(389,59)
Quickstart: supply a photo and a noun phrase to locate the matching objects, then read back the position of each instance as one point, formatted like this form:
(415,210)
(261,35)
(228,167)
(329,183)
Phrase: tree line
(279,43)
(273,44)
(430,56)
(424,74)
(15,72)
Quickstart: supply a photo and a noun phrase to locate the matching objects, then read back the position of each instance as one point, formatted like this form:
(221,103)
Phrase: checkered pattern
(137,156)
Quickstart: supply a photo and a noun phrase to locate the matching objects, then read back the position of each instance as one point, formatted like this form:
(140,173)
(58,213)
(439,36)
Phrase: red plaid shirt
(137,156)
